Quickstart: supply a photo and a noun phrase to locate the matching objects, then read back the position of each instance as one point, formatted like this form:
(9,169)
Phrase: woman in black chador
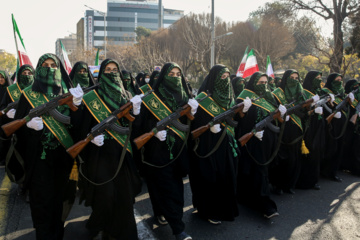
(314,136)
(165,160)
(335,130)
(253,181)
(351,156)
(109,179)
(214,155)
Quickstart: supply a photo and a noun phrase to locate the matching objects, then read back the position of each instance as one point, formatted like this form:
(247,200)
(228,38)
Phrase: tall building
(80,34)
(122,18)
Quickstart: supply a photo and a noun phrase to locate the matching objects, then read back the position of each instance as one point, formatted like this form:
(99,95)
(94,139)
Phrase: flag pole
(18,63)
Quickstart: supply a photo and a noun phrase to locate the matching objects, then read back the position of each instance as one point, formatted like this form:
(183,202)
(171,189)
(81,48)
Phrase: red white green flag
(251,65)
(23,58)
(65,58)
(241,68)
(269,68)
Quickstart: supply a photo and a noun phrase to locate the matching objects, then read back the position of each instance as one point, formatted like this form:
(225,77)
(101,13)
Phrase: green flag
(97,58)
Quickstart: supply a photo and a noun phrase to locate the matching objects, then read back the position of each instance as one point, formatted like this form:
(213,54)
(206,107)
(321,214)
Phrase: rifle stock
(141,140)
(277,116)
(75,149)
(197,132)
(245,138)
(124,111)
(11,127)
(330,117)
(354,118)
(68,101)
(1,112)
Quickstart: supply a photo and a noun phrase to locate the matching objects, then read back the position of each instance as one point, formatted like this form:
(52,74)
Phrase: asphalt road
(330,213)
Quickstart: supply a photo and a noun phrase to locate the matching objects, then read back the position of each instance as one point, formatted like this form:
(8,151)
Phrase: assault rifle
(303,104)
(322,103)
(340,106)
(107,123)
(46,108)
(12,105)
(266,122)
(172,119)
(355,116)
(226,116)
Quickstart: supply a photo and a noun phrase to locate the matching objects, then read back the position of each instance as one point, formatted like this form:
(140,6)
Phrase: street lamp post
(104,14)
(213,38)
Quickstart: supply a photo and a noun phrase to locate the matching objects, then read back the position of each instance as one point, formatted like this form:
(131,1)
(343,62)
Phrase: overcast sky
(41,22)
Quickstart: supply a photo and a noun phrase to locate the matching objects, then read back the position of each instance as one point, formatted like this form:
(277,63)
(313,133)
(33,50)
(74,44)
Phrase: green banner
(280,96)
(260,102)
(14,92)
(57,128)
(100,112)
(144,89)
(213,109)
(160,111)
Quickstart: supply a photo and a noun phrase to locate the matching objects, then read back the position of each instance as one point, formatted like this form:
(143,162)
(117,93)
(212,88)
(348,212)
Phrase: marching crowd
(238,140)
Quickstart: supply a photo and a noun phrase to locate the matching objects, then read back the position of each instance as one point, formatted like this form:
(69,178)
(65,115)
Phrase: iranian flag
(241,68)
(23,58)
(269,68)
(251,65)
(65,58)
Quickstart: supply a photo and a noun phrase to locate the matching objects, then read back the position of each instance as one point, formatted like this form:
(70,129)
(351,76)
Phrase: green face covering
(293,90)
(222,92)
(272,86)
(337,87)
(262,90)
(25,81)
(316,85)
(82,79)
(49,77)
(111,90)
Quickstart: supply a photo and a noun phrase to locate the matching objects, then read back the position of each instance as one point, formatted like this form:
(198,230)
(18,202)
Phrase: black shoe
(161,219)
(183,236)
(316,187)
(336,179)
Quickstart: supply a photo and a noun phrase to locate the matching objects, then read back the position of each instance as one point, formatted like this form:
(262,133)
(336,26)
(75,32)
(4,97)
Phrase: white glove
(36,123)
(282,110)
(11,113)
(77,93)
(337,115)
(318,110)
(287,118)
(259,135)
(351,96)
(98,140)
(216,128)
(194,105)
(247,104)
(332,96)
(161,135)
(136,102)
(315,98)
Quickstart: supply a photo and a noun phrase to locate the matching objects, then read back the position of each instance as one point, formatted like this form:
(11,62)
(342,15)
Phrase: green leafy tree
(142,32)
(7,62)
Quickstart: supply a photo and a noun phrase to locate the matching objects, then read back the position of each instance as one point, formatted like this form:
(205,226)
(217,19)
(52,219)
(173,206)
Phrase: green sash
(14,92)
(337,99)
(213,109)
(144,89)
(58,129)
(261,102)
(100,111)
(308,94)
(160,111)
(280,96)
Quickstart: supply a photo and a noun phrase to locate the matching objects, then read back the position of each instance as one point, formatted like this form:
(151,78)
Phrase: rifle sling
(197,141)
(12,150)
(123,152)
(273,155)
(183,145)
(343,129)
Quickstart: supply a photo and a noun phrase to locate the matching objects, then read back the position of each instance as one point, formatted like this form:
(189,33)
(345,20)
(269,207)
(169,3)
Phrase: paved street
(331,213)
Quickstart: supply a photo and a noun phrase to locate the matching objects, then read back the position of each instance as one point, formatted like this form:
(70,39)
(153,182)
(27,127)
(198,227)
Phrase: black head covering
(330,79)
(349,86)
(235,82)
(140,79)
(75,70)
(252,81)
(301,96)
(277,79)
(164,72)
(152,77)
(19,72)
(232,76)
(65,79)
(209,82)
(308,81)
(8,80)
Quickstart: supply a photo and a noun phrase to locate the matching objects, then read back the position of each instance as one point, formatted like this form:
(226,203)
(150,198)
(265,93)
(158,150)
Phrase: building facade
(70,44)
(122,18)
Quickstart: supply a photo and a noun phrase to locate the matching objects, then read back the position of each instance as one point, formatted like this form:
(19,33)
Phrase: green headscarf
(337,87)
(25,80)
(81,78)
(223,92)
(263,90)
(293,89)
(172,90)
(111,88)
(5,85)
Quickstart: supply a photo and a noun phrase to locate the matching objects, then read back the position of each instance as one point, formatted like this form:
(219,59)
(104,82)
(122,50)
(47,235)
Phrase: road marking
(4,197)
